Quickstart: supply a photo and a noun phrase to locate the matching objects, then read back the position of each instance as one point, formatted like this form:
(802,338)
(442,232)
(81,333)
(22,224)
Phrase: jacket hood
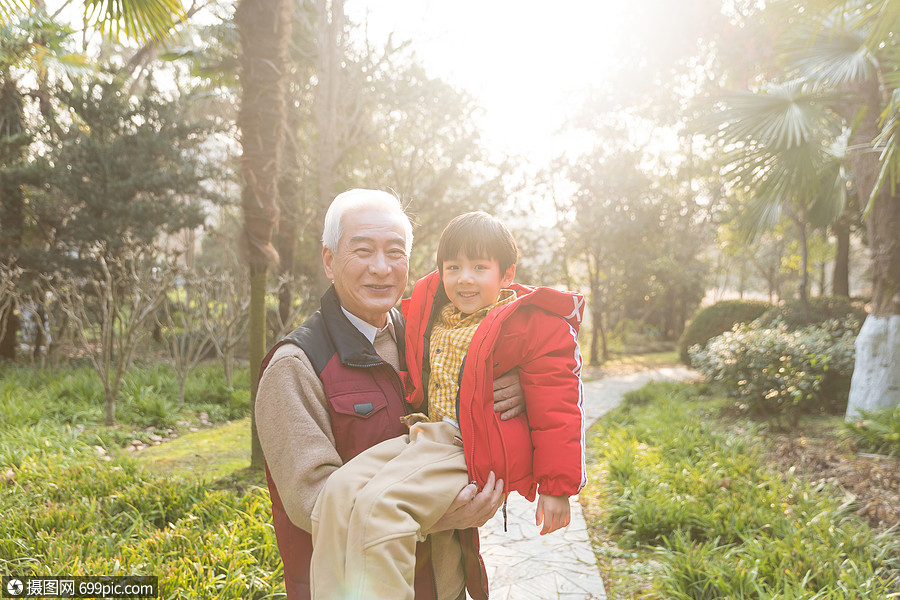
(565,304)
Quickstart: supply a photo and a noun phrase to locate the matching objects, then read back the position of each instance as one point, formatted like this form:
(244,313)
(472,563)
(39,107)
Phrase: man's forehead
(392,238)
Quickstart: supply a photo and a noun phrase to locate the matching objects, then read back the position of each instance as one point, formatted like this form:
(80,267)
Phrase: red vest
(365,403)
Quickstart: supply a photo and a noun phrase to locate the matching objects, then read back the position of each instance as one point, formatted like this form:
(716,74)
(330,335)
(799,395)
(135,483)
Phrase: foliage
(777,372)
(74,397)
(720,524)
(124,169)
(638,242)
(822,308)
(876,431)
(716,319)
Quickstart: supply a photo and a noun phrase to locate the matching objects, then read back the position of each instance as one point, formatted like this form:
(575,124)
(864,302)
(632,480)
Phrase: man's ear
(508,276)
(327,261)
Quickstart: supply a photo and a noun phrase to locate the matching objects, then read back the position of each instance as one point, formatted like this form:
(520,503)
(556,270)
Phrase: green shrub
(876,431)
(821,309)
(716,319)
(782,373)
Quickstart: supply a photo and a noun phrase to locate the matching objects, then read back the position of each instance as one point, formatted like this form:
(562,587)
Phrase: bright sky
(524,61)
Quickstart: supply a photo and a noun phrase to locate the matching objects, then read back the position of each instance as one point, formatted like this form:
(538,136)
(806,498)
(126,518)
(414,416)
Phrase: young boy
(471,322)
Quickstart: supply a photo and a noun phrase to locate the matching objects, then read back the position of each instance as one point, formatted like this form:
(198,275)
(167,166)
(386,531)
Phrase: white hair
(357,199)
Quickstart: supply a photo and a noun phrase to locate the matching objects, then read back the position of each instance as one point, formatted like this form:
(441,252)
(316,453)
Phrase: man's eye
(364,251)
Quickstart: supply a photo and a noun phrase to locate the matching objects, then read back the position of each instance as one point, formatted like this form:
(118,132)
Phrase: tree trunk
(228,362)
(109,406)
(331,35)
(804,266)
(264,28)
(13,142)
(288,222)
(840,279)
(257,353)
(876,379)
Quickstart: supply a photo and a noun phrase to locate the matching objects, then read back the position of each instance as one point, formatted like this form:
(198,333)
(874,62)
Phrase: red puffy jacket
(536,333)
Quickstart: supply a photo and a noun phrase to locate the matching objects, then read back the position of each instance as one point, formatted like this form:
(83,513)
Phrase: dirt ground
(870,482)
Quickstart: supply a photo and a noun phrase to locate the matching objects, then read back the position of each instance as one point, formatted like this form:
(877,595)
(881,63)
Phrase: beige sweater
(295,433)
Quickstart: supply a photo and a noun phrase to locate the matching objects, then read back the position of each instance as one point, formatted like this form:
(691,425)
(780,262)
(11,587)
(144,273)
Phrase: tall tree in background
(847,47)
(136,19)
(264,27)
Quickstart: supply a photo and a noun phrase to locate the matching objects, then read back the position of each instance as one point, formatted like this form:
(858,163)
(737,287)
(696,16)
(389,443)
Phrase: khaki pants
(372,510)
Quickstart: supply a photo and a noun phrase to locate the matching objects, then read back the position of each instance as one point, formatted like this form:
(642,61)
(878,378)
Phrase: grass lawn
(208,454)
(683,501)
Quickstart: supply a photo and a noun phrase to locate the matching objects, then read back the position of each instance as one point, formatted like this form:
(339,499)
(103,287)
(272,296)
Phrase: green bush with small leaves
(780,373)
(716,319)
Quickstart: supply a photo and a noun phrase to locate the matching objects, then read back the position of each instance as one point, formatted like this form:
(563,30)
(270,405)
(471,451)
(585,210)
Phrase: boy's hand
(472,508)
(554,511)
(509,399)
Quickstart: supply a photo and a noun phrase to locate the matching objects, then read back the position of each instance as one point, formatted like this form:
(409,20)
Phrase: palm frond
(834,57)
(72,64)
(888,141)
(11,10)
(137,19)
(782,116)
(884,16)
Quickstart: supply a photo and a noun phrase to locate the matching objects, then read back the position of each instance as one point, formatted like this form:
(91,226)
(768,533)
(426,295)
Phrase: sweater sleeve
(295,432)
(551,381)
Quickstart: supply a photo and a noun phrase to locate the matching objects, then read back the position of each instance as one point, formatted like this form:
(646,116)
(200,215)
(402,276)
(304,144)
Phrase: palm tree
(784,143)
(264,27)
(849,61)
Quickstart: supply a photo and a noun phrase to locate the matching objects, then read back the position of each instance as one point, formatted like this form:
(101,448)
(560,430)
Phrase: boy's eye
(480,267)
(451,267)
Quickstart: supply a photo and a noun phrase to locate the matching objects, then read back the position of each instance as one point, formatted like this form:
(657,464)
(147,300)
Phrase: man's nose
(379,264)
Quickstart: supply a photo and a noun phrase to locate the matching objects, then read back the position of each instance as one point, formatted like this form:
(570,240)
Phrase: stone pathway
(523,565)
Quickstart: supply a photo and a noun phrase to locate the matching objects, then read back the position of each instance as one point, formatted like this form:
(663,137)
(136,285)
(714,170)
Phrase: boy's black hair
(477,235)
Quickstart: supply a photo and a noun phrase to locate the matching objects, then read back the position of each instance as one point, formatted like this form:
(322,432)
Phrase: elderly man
(333,387)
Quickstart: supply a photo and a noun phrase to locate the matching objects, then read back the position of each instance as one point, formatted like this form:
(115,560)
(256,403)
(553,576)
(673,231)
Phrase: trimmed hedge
(822,308)
(715,320)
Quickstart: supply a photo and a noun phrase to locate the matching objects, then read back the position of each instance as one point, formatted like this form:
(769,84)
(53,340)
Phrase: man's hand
(509,399)
(472,508)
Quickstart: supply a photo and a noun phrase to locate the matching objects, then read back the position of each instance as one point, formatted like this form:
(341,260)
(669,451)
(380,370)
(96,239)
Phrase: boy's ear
(508,276)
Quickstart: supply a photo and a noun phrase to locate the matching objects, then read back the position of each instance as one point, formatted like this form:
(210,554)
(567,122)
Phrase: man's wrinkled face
(370,266)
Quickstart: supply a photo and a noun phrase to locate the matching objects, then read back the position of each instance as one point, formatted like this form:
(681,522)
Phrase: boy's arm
(551,380)
(554,512)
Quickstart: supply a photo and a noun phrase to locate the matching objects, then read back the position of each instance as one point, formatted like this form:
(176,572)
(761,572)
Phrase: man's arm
(295,432)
